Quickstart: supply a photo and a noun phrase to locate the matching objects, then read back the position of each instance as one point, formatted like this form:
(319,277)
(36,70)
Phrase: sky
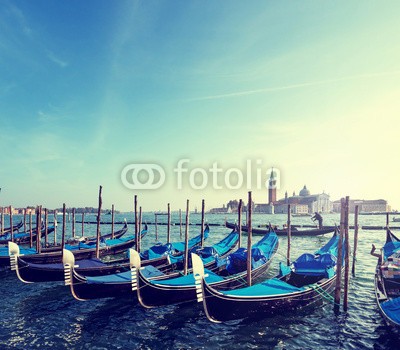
(92,90)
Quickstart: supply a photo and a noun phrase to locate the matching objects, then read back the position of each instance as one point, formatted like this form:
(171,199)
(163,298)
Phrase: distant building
(218,210)
(231,207)
(365,206)
(264,208)
(304,203)
(6,210)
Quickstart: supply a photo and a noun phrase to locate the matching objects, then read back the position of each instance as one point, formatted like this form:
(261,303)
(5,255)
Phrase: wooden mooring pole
(249,233)
(185,267)
(63,227)
(83,224)
(240,221)
(155,224)
(2,222)
(30,229)
(169,225)
(353,269)
(346,257)
(289,235)
(11,224)
(202,222)
(138,237)
(339,260)
(25,221)
(387,222)
(38,228)
(46,225)
(136,219)
(98,224)
(73,222)
(112,221)
(55,226)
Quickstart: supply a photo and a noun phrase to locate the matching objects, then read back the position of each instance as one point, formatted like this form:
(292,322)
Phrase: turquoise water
(37,316)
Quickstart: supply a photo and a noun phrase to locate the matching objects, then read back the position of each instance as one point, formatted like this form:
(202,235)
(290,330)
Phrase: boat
(283,232)
(308,279)
(229,273)
(15,227)
(159,252)
(91,240)
(387,280)
(81,251)
(24,237)
(119,284)
(29,272)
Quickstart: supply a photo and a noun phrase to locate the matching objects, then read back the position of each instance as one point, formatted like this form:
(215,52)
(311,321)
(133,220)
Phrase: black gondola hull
(283,232)
(155,295)
(222,308)
(31,273)
(56,256)
(26,239)
(82,290)
(386,288)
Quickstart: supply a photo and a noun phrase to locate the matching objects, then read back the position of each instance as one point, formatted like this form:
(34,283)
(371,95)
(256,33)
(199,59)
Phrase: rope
(319,290)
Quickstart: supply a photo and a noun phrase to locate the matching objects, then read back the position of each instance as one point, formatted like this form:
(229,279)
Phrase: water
(45,315)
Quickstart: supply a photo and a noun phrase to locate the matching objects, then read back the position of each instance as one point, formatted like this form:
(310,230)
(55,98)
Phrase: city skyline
(195,206)
(311,89)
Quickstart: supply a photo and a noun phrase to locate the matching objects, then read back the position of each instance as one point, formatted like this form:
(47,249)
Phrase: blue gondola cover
(160,250)
(237,262)
(315,265)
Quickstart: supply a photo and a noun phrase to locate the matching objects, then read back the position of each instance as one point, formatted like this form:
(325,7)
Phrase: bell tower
(272,188)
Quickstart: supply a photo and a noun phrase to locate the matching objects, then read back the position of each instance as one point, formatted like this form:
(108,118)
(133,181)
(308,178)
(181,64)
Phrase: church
(303,203)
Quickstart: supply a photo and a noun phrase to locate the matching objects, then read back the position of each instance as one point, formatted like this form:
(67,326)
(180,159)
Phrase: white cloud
(296,86)
(52,57)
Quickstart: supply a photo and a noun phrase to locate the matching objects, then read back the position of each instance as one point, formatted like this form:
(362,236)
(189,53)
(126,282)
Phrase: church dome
(304,192)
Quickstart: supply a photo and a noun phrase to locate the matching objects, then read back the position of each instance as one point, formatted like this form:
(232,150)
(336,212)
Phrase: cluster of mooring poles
(343,261)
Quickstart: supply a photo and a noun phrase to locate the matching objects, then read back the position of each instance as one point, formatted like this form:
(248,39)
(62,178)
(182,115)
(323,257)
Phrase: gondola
(160,252)
(49,248)
(38,272)
(283,232)
(83,241)
(119,284)
(229,274)
(24,237)
(29,272)
(310,278)
(81,251)
(15,228)
(387,281)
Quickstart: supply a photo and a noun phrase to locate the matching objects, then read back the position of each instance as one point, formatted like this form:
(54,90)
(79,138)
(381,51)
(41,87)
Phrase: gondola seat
(308,264)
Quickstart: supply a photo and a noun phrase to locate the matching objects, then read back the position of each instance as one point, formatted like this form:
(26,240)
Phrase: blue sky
(87,87)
